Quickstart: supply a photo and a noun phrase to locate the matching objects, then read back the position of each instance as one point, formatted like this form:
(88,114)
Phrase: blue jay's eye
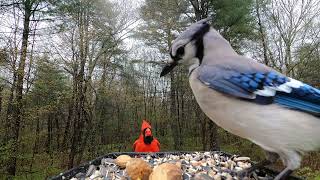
(180,51)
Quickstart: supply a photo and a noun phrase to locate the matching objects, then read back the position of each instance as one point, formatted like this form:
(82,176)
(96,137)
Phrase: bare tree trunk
(173,102)
(203,133)
(49,134)
(88,132)
(36,144)
(9,113)
(80,96)
(73,120)
(85,82)
(56,118)
(262,34)
(74,139)
(173,114)
(65,142)
(178,112)
(35,148)
(28,81)
(213,135)
(1,97)
(18,110)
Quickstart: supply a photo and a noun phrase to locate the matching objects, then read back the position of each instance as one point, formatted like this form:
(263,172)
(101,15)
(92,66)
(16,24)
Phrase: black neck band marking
(200,49)
(198,36)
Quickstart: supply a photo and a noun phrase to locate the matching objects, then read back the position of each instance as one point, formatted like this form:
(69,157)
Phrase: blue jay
(249,99)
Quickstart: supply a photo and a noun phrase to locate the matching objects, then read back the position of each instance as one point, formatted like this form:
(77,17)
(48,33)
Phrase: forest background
(78,76)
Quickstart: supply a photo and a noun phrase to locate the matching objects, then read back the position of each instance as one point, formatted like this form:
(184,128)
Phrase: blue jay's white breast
(274,128)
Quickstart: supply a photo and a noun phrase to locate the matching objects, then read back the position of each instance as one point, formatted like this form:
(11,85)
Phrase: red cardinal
(146,142)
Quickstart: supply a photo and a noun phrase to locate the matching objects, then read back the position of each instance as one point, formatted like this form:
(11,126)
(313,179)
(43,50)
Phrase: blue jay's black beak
(166,69)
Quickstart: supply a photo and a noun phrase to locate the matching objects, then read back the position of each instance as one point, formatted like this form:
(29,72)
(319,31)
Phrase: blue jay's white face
(184,52)
(188,47)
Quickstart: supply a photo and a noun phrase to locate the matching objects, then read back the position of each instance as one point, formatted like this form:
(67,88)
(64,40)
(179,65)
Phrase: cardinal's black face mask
(147,139)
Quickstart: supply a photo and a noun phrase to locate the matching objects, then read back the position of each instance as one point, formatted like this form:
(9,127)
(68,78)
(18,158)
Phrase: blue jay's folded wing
(262,87)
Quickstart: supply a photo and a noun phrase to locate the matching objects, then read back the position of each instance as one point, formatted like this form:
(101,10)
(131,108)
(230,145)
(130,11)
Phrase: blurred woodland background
(78,76)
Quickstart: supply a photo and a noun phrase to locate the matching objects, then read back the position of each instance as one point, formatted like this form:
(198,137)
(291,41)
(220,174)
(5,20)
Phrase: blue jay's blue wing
(262,87)
(305,98)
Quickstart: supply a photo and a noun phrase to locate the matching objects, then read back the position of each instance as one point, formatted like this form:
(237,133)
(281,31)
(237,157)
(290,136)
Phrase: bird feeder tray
(194,165)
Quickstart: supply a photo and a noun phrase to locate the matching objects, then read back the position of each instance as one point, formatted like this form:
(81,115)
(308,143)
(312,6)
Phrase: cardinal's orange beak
(148,132)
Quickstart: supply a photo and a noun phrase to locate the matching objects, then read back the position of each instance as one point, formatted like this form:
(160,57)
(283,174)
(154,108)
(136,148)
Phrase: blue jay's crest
(194,33)
(263,88)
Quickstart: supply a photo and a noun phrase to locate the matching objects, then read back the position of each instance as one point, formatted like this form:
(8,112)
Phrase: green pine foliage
(234,20)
